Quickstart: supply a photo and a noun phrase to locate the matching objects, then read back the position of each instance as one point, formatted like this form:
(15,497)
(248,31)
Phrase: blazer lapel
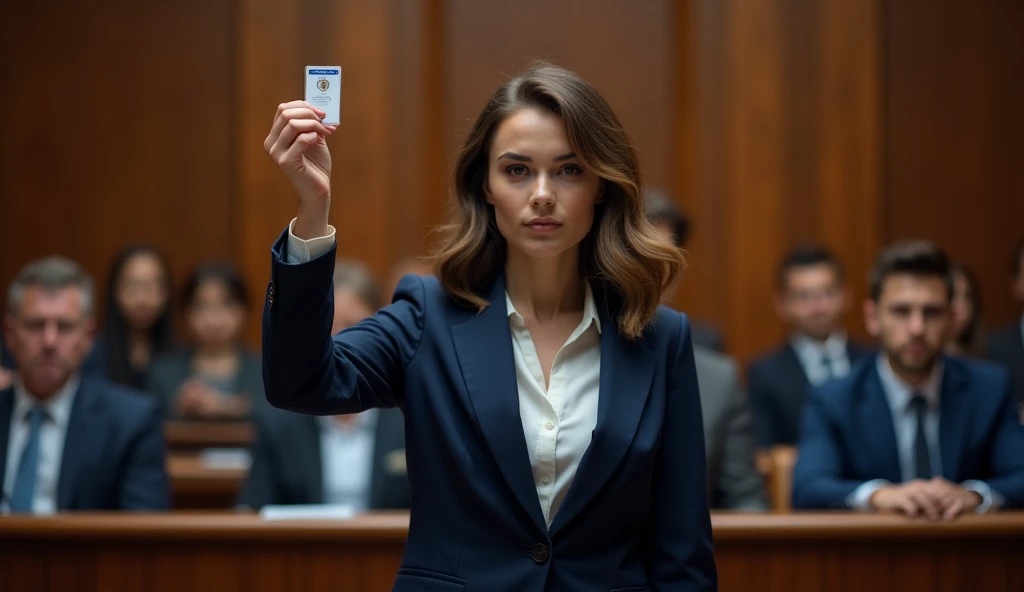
(483,345)
(878,431)
(954,415)
(627,370)
(6,409)
(83,445)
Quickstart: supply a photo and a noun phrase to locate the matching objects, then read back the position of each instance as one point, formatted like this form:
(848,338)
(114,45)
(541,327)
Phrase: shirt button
(545,480)
(539,553)
(549,425)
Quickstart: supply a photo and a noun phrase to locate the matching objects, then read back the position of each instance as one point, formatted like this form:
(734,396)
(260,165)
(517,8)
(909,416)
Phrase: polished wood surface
(195,485)
(794,553)
(193,435)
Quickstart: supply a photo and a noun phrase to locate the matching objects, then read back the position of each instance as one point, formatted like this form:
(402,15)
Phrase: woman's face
(963,305)
(543,196)
(141,292)
(214,319)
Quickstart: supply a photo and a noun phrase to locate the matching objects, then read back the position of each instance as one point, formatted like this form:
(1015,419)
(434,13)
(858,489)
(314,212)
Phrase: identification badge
(323,91)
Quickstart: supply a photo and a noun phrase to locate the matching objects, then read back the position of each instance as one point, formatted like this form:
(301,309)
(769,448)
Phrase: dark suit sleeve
(260,487)
(763,408)
(681,558)
(362,368)
(144,482)
(817,477)
(1007,454)
(740,484)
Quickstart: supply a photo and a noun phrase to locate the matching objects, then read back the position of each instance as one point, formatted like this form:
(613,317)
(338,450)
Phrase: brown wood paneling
(841,552)
(786,129)
(954,122)
(116,122)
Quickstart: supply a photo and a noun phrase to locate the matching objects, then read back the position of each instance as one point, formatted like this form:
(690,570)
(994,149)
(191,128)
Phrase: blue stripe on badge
(324,72)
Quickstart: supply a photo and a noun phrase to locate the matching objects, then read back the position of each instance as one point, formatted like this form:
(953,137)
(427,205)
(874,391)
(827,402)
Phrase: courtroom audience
(216,376)
(68,440)
(674,225)
(1006,345)
(965,331)
(357,461)
(734,482)
(910,429)
(811,299)
(137,324)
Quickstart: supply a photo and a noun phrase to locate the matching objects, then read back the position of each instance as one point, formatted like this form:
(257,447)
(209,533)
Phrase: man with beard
(911,430)
(69,441)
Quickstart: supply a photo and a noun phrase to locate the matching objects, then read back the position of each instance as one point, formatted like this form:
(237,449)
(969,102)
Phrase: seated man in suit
(1007,345)
(910,429)
(352,460)
(68,441)
(674,225)
(811,299)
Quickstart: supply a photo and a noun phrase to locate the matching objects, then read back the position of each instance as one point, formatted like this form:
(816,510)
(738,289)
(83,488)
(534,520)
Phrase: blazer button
(539,553)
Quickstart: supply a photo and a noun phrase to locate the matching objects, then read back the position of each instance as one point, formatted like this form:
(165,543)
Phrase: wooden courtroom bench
(241,553)
(197,484)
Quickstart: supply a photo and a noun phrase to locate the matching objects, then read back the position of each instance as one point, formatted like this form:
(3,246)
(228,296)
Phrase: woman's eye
(516,170)
(572,169)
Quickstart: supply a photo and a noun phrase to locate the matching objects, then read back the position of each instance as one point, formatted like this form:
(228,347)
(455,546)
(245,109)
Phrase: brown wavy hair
(622,255)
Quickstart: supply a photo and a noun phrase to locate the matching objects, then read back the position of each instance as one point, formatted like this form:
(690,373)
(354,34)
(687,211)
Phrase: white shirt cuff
(860,499)
(301,251)
(990,500)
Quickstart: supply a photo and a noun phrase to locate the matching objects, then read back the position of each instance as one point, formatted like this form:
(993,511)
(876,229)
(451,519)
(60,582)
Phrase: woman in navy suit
(553,423)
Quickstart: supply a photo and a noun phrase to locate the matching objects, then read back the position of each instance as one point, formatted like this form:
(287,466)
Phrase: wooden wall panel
(954,129)
(116,128)
(786,149)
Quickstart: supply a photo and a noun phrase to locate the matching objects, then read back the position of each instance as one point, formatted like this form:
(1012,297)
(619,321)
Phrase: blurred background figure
(965,328)
(675,226)
(216,376)
(352,460)
(6,365)
(71,441)
(137,325)
(406,266)
(734,482)
(1006,345)
(811,300)
(912,430)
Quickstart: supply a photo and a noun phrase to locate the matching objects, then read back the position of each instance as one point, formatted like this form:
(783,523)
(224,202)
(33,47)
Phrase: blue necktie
(25,479)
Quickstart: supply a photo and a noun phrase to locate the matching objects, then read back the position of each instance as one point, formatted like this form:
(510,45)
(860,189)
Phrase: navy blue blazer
(114,453)
(849,438)
(636,516)
(777,389)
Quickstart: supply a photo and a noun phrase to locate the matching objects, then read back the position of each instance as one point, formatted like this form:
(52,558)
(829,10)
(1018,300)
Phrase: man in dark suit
(811,299)
(910,429)
(67,441)
(1007,345)
(357,461)
(674,225)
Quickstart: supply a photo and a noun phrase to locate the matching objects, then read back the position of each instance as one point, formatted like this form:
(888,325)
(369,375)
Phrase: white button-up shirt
(51,444)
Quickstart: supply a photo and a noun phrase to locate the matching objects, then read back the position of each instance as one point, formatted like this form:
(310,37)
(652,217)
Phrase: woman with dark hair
(137,324)
(965,333)
(554,437)
(216,376)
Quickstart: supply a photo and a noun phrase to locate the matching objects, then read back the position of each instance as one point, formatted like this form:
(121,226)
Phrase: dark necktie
(922,456)
(25,478)
(826,363)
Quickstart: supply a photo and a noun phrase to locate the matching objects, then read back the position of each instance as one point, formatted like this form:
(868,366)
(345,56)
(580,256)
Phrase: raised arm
(304,370)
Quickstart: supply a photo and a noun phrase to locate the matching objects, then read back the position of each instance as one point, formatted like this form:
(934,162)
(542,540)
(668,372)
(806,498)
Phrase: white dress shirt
(812,356)
(346,459)
(558,421)
(51,444)
(899,394)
